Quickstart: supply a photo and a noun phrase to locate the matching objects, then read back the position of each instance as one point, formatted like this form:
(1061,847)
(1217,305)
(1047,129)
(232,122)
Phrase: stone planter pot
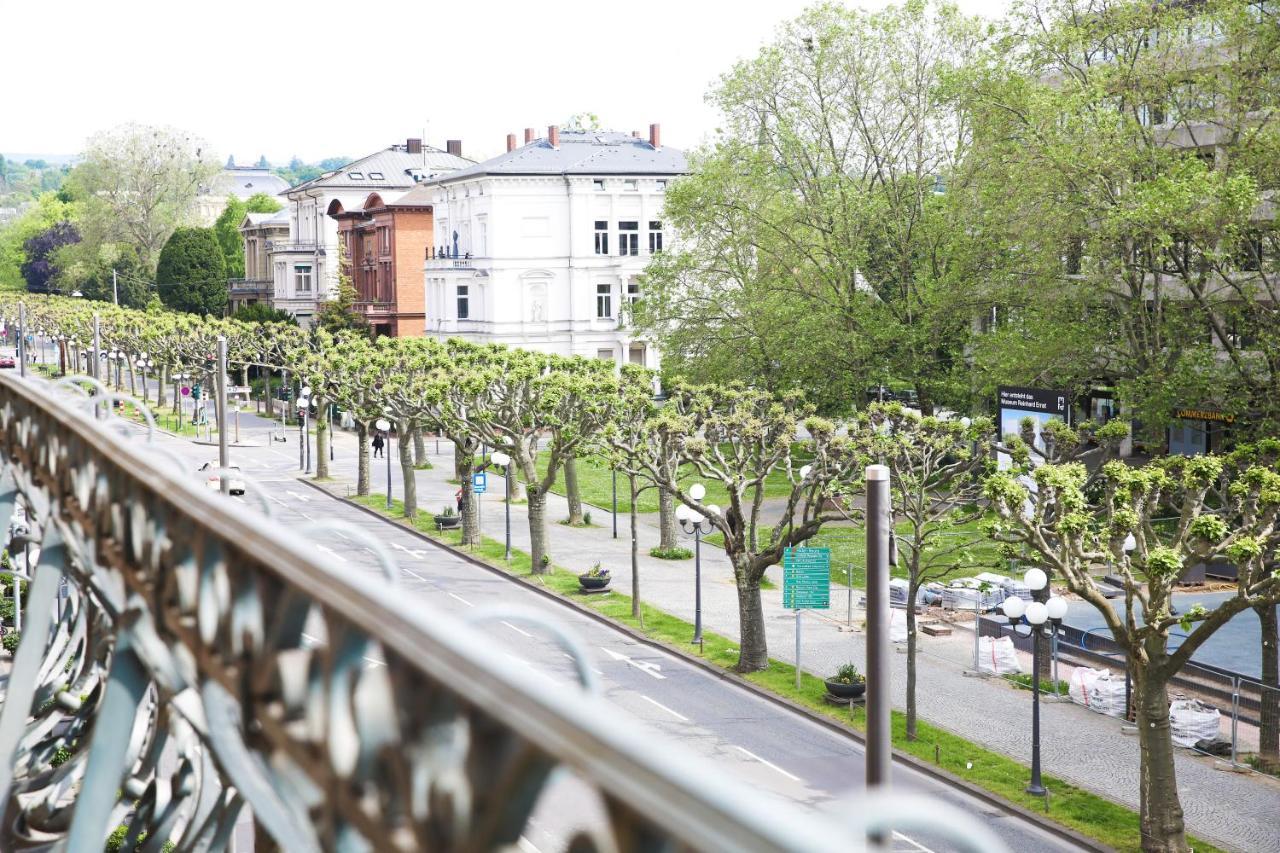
(591,584)
(845,691)
(447,522)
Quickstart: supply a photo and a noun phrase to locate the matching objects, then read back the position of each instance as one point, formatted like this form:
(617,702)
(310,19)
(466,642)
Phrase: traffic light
(195,392)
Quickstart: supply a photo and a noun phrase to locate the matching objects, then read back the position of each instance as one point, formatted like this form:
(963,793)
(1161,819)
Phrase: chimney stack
(454,147)
(511,142)
(553,136)
(528,135)
(635,134)
(413,146)
(655,136)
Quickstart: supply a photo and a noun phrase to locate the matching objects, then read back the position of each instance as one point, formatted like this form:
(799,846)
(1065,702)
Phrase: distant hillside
(51,159)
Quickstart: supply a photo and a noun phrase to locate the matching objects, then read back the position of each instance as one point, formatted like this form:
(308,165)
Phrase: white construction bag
(997,656)
(897,626)
(1192,721)
(1099,690)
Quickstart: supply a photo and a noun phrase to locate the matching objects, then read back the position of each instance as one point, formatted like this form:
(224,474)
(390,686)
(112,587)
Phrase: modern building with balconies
(542,247)
(305,267)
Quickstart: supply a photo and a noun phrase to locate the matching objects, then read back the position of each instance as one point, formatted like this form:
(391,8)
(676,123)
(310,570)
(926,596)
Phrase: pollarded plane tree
(936,470)
(738,437)
(350,378)
(1078,533)
(533,396)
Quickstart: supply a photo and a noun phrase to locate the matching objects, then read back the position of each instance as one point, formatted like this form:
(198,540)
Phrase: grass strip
(1087,813)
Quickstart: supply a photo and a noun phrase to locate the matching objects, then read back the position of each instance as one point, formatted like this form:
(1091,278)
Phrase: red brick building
(385,246)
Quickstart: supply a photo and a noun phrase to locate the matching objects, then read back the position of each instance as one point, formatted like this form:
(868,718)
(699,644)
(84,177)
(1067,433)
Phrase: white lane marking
(459,598)
(644,666)
(276,499)
(675,714)
(331,553)
(768,764)
(343,535)
(518,630)
(307,517)
(302,498)
(535,670)
(915,845)
(280,453)
(417,555)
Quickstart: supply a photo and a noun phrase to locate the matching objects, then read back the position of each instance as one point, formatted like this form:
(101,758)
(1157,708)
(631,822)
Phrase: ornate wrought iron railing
(164,636)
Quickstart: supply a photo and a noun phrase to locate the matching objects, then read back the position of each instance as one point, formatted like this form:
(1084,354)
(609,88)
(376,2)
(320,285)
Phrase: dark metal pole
(879,733)
(1035,788)
(387,452)
(697,583)
(302,451)
(22,339)
(615,503)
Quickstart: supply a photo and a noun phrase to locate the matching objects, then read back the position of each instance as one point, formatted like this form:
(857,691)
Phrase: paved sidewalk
(1234,811)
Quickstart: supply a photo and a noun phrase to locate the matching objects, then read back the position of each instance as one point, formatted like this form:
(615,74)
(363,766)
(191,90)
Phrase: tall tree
(1128,171)
(227,228)
(191,274)
(1079,534)
(41,250)
(821,252)
(136,184)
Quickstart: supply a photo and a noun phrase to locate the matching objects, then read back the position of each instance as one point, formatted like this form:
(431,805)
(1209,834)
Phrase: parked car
(7,361)
(235,483)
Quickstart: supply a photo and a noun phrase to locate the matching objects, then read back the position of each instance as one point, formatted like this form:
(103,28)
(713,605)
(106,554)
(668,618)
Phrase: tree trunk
(163,379)
(537,529)
(410,488)
(1163,830)
(471,533)
(133,385)
(635,555)
(268,397)
(571,490)
(667,520)
(1269,710)
(911,659)
(323,437)
(362,457)
(419,448)
(461,461)
(753,648)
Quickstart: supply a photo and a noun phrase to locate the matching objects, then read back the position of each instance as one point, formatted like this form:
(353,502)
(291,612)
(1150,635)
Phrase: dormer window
(356,176)
(599,185)
(376,176)
(630,186)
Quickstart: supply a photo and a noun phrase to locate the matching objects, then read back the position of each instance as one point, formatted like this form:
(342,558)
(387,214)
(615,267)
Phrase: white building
(545,243)
(305,267)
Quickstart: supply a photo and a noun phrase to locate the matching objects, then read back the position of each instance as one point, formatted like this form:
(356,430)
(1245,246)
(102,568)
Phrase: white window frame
(604,301)
(303,273)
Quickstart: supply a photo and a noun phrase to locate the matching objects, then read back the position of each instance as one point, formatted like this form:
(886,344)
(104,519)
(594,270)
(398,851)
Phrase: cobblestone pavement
(1235,811)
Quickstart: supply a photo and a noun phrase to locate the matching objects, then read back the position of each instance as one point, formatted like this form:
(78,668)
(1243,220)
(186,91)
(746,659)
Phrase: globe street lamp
(1043,616)
(692,521)
(503,461)
(384,426)
(144,364)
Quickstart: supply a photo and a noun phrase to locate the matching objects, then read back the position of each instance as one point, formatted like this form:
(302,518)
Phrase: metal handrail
(192,613)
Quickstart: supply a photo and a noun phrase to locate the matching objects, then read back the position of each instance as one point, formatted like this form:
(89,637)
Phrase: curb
(936,773)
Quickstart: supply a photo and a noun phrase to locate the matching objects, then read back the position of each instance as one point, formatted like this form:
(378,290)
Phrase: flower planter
(447,522)
(593,584)
(846,691)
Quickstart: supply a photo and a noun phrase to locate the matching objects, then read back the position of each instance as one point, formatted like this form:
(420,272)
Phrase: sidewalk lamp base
(1036,790)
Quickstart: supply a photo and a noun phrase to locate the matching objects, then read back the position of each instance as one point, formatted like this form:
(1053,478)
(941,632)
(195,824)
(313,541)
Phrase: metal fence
(164,635)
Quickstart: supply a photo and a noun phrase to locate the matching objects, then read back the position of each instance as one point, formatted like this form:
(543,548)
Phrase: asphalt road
(779,753)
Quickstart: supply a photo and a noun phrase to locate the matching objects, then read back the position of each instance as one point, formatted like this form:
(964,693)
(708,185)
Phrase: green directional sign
(806,578)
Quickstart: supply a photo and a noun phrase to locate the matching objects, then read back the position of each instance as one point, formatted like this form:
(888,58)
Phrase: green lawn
(595,481)
(849,551)
(1074,807)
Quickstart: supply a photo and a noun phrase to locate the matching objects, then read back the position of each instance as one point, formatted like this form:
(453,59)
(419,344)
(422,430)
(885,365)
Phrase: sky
(322,79)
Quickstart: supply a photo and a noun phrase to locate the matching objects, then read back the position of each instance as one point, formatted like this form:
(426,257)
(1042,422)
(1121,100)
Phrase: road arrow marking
(416,554)
(644,666)
(302,498)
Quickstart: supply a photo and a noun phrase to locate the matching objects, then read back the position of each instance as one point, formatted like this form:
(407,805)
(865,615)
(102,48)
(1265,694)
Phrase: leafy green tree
(136,184)
(191,274)
(1129,178)
(227,228)
(738,437)
(1078,534)
(340,313)
(818,249)
(39,217)
(130,284)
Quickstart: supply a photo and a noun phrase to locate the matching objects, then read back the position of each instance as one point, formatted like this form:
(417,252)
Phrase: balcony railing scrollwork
(183,660)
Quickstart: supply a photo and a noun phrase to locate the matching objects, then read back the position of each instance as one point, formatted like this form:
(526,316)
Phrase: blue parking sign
(480,483)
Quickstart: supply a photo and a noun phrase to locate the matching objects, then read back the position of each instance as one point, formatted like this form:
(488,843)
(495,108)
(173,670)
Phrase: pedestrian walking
(378,444)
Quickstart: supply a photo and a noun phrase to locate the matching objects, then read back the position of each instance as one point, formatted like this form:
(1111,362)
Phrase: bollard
(1235,717)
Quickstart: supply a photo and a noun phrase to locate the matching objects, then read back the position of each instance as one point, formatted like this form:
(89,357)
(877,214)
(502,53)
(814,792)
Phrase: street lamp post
(697,524)
(143,364)
(304,439)
(615,503)
(1043,617)
(385,426)
(503,461)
